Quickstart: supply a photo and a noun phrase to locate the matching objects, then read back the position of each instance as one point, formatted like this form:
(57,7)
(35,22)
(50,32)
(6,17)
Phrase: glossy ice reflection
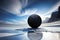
(38,35)
(28,34)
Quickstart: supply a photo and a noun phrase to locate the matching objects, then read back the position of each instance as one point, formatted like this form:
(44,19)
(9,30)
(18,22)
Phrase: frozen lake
(30,34)
(47,31)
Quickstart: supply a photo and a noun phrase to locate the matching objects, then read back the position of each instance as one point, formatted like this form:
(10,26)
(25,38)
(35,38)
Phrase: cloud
(29,12)
(54,8)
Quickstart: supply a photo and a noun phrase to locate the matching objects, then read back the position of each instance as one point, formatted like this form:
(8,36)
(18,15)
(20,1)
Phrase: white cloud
(29,12)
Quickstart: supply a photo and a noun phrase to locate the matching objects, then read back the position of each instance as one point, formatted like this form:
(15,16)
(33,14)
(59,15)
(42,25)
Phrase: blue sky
(40,7)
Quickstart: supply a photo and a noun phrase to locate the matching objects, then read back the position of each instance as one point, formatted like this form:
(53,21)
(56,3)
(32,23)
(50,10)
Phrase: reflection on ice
(35,35)
(29,34)
(42,34)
